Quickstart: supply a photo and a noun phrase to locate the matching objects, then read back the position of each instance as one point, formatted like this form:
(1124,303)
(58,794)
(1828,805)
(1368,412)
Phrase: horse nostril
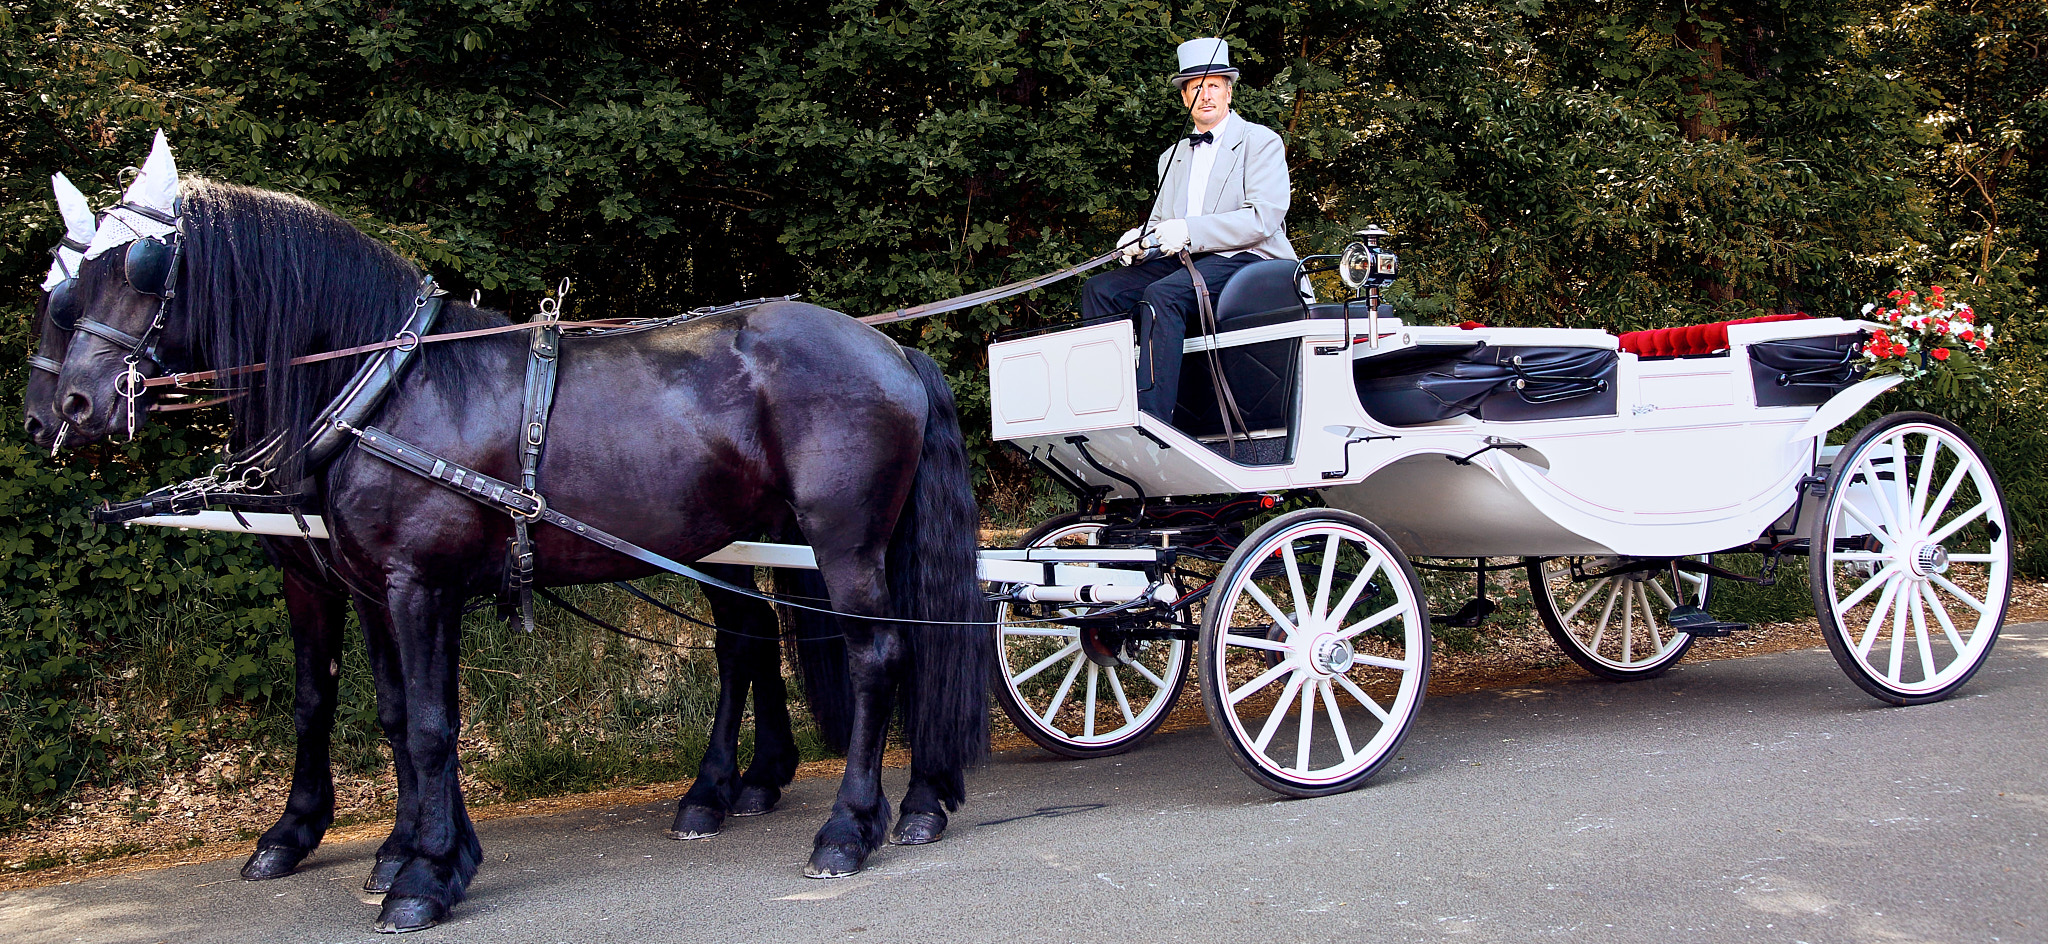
(33,426)
(77,407)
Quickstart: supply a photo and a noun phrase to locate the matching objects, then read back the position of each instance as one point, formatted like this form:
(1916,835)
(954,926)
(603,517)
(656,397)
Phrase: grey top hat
(1206,56)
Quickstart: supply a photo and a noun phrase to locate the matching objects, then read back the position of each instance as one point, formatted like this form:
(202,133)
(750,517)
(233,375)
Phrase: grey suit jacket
(1246,206)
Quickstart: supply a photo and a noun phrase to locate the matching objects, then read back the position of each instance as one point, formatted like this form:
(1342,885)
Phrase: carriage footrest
(1697,622)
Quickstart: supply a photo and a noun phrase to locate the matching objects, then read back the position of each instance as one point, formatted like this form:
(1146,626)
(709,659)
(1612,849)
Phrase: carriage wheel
(1911,559)
(1056,686)
(1616,627)
(1337,602)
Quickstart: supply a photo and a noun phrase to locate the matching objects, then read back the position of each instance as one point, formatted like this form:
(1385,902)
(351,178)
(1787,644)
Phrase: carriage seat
(1260,294)
(1691,340)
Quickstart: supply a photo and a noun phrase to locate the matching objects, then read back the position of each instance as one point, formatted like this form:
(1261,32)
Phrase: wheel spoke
(1902,492)
(1398,665)
(1586,598)
(1650,622)
(1877,615)
(1266,603)
(1941,616)
(1256,642)
(1927,671)
(1669,604)
(1959,593)
(1265,678)
(1358,695)
(1974,558)
(1123,702)
(1898,650)
(1060,698)
(1628,624)
(1918,513)
(1329,693)
(1157,682)
(1323,582)
(1885,506)
(1088,701)
(1293,567)
(1980,509)
(1046,663)
(1883,534)
(1304,734)
(1606,618)
(1278,713)
(1358,585)
(1880,579)
(1371,621)
(1948,491)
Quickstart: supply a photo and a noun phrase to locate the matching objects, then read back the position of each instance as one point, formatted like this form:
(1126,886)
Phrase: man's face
(1208,100)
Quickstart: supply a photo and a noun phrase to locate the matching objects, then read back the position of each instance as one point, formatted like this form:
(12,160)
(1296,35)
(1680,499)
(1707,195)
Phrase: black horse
(746,652)
(777,417)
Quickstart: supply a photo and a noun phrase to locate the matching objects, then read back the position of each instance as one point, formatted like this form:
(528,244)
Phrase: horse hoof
(274,862)
(696,822)
(835,862)
(409,914)
(382,874)
(916,829)
(755,801)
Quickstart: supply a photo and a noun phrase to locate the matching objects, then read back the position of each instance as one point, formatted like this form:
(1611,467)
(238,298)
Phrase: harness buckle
(540,508)
(408,340)
(534,432)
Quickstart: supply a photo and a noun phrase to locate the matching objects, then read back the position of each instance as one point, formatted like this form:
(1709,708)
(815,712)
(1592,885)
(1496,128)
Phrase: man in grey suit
(1222,202)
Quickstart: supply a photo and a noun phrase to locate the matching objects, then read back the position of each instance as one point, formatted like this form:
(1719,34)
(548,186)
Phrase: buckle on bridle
(408,340)
(540,508)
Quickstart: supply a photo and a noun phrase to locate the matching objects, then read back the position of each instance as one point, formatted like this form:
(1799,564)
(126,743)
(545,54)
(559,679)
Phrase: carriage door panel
(1065,381)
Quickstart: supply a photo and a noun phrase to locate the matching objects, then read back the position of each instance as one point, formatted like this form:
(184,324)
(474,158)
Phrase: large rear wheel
(1911,559)
(1082,693)
(1315,652)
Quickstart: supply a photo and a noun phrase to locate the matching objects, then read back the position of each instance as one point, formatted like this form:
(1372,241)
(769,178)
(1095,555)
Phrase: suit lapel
(1173,194)
(1229,155)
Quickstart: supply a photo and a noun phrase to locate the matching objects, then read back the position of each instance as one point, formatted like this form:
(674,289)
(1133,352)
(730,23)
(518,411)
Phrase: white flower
(1869,307)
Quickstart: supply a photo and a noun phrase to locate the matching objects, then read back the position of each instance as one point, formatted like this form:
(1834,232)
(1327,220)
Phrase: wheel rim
(1916,564)
(1621,622)
(1066,697)
(1352,646)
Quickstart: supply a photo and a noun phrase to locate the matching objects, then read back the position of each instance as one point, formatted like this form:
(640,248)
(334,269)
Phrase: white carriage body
(1687,463)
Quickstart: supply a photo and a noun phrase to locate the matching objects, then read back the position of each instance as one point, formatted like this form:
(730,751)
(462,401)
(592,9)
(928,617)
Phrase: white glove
(1173,236)
(1129,246)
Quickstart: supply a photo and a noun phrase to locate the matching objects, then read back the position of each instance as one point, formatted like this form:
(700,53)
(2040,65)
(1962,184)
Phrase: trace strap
(987,295)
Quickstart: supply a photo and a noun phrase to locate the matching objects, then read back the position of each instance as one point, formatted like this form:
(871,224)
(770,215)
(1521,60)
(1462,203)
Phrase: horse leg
(426,624)
(875,659)
(388,678)
(702,810)
(317,620)
(925,803)
(775,753)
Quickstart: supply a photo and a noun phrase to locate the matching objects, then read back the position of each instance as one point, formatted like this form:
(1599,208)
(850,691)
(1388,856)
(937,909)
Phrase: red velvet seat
(1691,340)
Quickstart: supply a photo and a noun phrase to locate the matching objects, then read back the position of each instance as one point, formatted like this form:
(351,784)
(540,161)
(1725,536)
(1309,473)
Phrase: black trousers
(1160,296)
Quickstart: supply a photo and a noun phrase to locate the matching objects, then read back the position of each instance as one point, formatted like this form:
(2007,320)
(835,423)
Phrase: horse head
(111,309)
(56,315)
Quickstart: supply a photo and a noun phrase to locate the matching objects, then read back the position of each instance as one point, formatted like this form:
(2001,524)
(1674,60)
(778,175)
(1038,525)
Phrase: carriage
(1615,470)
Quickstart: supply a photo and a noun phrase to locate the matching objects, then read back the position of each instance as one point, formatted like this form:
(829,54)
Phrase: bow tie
(1206,137)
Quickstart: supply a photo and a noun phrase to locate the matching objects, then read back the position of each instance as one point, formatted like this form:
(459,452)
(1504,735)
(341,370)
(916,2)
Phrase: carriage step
(1470,616)
(1697,622)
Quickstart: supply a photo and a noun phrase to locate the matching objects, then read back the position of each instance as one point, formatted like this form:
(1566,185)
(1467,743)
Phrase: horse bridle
(150,267)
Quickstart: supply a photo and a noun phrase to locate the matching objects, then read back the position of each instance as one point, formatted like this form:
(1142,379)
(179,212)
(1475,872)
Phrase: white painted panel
(1026,384)
(1095,376)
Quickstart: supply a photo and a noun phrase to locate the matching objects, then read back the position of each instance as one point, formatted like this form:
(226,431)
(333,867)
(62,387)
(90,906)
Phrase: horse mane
(268,277)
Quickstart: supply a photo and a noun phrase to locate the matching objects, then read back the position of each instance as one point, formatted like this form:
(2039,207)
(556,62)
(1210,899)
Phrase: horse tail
(931,566)
(819,654)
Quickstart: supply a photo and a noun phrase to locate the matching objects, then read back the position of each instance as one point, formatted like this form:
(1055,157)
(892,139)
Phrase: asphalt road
(1764,799)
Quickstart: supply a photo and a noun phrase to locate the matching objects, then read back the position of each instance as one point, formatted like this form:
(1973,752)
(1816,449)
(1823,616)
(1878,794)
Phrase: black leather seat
(1262,293)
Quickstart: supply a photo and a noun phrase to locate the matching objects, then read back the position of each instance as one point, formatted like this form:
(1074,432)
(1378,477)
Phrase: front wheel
(1315,652)
(1911,559)
(1616,626)
(1076,692)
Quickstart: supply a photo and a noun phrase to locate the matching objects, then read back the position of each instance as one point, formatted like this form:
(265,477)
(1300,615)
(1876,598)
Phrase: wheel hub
(1930,559)
(1331,656)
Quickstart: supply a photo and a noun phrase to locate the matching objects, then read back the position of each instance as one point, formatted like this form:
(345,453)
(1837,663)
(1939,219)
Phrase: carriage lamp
(1365,265)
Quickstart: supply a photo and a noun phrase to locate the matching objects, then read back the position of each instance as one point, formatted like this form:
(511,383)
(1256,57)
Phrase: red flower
(1895,293)
(1940,353)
